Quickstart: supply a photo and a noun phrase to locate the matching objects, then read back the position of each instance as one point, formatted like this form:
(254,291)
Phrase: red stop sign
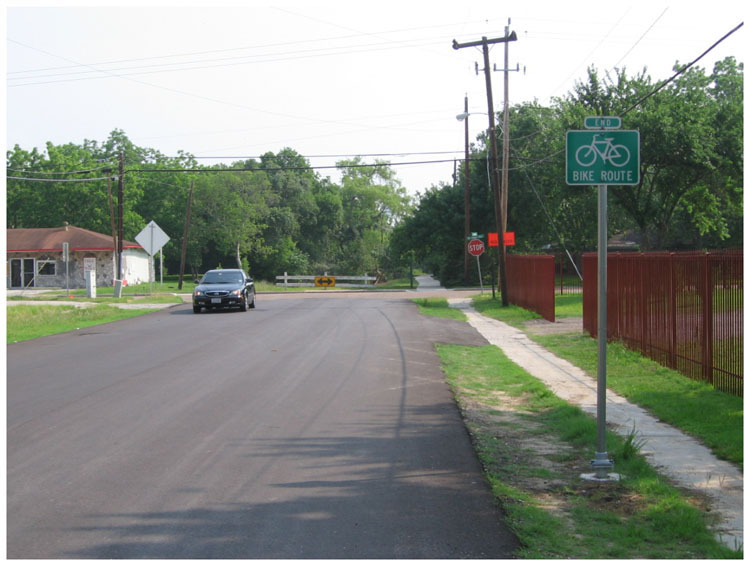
(476,247)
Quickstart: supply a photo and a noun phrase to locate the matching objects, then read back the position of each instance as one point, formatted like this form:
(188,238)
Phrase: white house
(35,258)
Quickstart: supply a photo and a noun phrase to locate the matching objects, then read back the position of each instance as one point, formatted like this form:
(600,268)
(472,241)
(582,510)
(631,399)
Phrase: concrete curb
(673,453)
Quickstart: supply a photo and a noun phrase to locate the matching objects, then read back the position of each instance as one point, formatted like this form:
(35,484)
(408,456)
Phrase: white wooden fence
(286,280)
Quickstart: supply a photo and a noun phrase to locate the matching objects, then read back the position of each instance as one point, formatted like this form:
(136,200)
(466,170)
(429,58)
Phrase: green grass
(80,297)
(569,305)
(713,417)
(641,517)
(25,322)
(439,308)
(512,314)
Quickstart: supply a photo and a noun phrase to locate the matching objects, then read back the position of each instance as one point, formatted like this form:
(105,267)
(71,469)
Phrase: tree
(229,214)
(372,203)
(689,170)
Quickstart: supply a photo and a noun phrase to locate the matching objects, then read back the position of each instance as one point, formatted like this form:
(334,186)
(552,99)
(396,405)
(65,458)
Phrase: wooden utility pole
(112,213)
(485,43)
(185,236)
(506,158)
(120,199)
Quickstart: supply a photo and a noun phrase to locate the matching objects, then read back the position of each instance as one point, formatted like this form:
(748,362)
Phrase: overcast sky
(326,78)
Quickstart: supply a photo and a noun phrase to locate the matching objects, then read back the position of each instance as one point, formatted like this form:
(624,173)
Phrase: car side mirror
(249,279)
(196,281)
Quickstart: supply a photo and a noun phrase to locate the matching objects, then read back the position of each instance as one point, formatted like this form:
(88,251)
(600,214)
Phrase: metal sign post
(152,239)
(602,155)
(601,462)
(66,259)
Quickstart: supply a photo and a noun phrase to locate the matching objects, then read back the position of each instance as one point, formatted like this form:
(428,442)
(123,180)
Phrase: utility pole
(119,214)
(185,236)
(506,152)
(111,212)
(467,197)
(485,43)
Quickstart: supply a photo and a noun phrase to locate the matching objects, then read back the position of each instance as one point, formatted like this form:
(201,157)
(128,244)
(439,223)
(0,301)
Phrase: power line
(331,155)
(603,39)
(246,47)
(198,96)
(59,172)
(58,180)
(642,36)
(239,170)
(273,58)
(682,70)
(293,168)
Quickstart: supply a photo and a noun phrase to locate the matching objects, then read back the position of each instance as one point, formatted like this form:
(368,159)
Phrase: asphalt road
(309,427)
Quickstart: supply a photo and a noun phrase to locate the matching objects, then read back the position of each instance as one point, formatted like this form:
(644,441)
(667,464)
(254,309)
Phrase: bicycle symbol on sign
(618,155)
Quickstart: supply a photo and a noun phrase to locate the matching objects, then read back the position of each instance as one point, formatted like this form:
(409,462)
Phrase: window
(46,267)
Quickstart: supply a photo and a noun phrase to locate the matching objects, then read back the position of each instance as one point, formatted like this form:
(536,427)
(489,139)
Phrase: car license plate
(216,301)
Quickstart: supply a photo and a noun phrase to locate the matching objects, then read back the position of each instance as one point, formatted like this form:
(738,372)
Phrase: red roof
(51,239)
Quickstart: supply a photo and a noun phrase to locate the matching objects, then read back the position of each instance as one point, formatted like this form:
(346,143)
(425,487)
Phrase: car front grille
(217,293)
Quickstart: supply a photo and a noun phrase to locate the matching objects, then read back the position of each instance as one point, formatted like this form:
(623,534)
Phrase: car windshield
(222,277)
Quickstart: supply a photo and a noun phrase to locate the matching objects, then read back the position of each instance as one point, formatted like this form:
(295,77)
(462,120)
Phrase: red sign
(492,239)
(509,239)
(476,247)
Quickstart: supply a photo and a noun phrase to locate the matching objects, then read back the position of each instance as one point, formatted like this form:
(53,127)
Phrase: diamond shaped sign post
(152,239)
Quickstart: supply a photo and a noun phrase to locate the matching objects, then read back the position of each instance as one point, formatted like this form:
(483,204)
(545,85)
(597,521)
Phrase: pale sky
(326,78)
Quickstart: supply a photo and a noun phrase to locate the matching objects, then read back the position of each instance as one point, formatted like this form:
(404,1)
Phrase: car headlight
(236,292)
(197,293)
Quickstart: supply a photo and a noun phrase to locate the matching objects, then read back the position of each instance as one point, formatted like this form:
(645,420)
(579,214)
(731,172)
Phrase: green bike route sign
(603,157)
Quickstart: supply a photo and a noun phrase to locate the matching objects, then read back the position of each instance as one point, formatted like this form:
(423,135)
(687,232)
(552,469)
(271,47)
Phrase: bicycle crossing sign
(603,157)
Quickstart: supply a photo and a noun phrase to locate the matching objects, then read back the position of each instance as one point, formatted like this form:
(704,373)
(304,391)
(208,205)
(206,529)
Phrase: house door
(21,273)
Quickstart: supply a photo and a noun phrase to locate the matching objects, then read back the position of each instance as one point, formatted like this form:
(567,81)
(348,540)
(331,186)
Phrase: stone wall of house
(135,268)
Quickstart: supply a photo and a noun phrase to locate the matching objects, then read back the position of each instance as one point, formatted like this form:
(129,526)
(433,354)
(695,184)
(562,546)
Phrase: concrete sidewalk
(673,453)
(427,282)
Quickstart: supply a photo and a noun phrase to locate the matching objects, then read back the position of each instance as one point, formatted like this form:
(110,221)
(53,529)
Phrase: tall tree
(685,169)
(373,202)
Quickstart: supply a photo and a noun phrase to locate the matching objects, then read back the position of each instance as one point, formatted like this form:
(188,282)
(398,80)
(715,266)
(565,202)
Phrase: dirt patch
(537,463)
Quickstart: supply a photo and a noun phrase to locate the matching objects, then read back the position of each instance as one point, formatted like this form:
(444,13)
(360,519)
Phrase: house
(35,258)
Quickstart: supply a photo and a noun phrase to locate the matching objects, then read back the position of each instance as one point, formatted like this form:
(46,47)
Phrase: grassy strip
(570,305)
(552,510)
(712,416)
(439,308)
(82,298)
(25,322)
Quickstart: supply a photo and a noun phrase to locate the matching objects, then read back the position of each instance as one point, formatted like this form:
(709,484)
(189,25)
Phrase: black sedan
(221,288)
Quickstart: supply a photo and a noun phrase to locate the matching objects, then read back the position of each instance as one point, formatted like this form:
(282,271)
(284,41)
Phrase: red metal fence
(682,309)
(568,281)
(531,283)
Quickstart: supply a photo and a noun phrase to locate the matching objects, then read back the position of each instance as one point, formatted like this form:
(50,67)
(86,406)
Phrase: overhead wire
(91,170)
(526,166)
(247,47)
(642,36)
(338,51)
(58,180)
(682,70)
(201,97)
